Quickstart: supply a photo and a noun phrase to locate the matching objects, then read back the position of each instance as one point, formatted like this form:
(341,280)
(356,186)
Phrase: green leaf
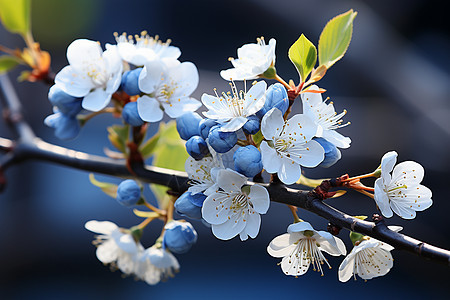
(335,38)
(15,15)
(258,138)
(118,136)
(149,146)
(303,55)
(8,62)
(109,189)
(169,153)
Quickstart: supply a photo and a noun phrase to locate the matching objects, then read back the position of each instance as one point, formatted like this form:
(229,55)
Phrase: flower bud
(179,236)
(247,161)
(130,81)
(128,193)
(187,125)
(66,104)
(197,147)
(252,126)
(205,126)
(221,141)
(332,153)
(189,205)
(66,127)
(276,96)
(130,114)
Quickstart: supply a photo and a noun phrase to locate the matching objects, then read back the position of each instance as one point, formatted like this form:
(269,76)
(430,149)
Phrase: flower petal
(148,109)
(177,107)
(382,199)
(337,139)
(216,208)
(151,76)
(107,252)
(289,171)
(270,159)
(83,52)
(230,181)
(230,228)
(255,98)
(102,227)
(259,197)
(234,124)
(96,100)
(408,172)
(272,123)
(280,246)
(253,223)
(73,83)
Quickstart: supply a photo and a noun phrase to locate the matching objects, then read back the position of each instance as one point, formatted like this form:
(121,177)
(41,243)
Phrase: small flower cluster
(144,68)
(118,247)
(121,248)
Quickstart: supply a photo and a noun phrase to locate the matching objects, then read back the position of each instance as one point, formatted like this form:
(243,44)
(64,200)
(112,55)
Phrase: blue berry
(332,153)
(222,141)
(66,127)
(179,236)
(187,125)
(130,82)
(247,161)
(66,104)
(130,114)
(276,96)
(205,126)
(189,205)
(197,147)
(252,126)
(128,193)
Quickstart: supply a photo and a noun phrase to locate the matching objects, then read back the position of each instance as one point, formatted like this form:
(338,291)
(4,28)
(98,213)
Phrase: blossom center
(328,118)
(97,73)
(307,252)
(234,101)
(282,144)
(239,201)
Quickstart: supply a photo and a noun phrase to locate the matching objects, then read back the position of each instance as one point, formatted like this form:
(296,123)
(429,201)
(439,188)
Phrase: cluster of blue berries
(247,159)
(66,108)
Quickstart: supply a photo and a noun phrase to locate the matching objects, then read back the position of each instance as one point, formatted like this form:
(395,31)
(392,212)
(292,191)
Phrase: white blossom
(289,145)
(401,192)
(325,117)
(253,60)
(92,74)
(232,109)
(114,246)
(234,210)
(203,173)
(369,258)
(144,48)
(168,86)
(156,264)
(303,246)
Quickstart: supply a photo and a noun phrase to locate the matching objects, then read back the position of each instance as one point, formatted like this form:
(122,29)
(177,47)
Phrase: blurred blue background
(394,81)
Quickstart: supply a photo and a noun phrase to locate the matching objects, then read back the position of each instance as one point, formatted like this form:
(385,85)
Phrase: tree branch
(12,110)
(178,181)
(29,147)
